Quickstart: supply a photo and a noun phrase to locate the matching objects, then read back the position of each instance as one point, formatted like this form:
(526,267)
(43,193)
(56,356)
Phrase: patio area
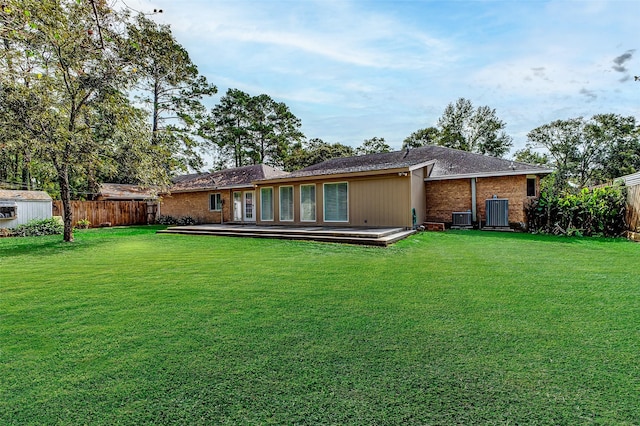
(347,235)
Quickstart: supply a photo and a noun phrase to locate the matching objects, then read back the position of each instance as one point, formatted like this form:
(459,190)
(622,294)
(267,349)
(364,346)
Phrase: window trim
(280,188)
(262,219)
(218,203)
(324,202)
(315,203)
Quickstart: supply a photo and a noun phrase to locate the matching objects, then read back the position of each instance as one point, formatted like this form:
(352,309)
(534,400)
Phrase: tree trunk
(65,195)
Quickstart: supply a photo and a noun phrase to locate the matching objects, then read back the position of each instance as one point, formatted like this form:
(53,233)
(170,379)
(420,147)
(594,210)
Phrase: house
(222,196)
(20,207)
(399,189)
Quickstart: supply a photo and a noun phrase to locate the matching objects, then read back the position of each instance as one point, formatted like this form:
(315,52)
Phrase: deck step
(374,237)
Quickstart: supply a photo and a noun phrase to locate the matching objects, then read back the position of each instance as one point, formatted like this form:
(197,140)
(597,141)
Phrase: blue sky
(352,70)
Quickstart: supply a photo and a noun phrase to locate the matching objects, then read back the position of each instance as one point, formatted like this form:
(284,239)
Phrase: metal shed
(20,207)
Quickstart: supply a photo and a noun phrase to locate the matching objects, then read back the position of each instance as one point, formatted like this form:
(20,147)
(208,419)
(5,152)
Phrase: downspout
(473,200)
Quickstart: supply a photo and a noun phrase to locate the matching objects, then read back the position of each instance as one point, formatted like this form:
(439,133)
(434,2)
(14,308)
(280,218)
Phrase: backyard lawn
(126,326)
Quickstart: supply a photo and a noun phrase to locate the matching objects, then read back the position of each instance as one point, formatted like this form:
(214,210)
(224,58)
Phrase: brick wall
(447,196)
(195,205)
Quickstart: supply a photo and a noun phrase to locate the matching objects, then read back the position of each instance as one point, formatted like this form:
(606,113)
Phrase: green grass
(129,327)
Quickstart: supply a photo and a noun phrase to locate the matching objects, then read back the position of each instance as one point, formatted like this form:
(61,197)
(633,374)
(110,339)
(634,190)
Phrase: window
(531,187)
(336,207)
(286,203)
(266,204)
(308,203)
(8,210)
(215,202)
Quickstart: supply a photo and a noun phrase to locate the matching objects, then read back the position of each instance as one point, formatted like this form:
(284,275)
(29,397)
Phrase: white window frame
(215,206)
(315,197)
(324,202)
(262,218)
(280,204)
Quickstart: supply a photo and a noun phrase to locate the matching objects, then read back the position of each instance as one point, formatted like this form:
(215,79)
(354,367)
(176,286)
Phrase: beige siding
(378,201)
(381,202)
(418,195)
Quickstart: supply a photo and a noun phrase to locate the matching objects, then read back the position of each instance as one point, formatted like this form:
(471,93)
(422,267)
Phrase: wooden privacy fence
(113,213)
(633,208)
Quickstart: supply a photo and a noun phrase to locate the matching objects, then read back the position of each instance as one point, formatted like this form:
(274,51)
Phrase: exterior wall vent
(497,212)
(461,219)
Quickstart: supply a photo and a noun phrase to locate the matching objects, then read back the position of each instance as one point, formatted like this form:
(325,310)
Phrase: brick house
(222,196)
(399,189)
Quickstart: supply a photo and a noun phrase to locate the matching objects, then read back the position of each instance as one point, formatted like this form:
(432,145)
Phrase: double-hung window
(336,202)
(215,202)
(286,203)
(308,203)
(266,204)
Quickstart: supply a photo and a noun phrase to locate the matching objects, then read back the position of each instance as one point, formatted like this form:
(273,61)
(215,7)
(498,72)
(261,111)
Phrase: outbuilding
(20,207)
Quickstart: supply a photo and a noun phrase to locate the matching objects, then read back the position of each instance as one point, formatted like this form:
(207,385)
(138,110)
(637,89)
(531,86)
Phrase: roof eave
(490,174)
(342,175)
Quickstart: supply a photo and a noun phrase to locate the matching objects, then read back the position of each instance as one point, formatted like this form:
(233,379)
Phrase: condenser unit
(497,210)
(461,219)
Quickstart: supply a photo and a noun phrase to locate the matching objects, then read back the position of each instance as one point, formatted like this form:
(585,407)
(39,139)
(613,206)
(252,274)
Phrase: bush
(179,221)
(83,224)
(36,228)
(590,212)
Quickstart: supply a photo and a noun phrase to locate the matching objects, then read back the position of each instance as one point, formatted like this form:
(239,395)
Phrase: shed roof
(122,191)
(7,194)
(240,177)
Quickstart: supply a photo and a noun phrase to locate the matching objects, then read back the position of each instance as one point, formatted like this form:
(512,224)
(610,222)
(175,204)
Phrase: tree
(464,127)
(172,87)
(421,137)
(62,64)
(252,129)
(561,139)
(619,139)
(273,129)
(529,156)
(315,151)
(374,145)
(587,152)
(228,126)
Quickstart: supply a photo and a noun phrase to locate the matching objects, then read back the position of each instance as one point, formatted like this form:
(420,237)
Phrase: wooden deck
(363,236)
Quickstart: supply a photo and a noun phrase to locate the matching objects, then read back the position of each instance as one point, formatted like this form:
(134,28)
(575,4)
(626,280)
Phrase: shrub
(36,228)
(83,224)
(179,221)
(590,212)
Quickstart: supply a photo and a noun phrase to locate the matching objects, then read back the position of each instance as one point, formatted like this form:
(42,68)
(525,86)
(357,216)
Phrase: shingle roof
(453,162)
(447,163)
(121,191)
(24,195)
(228,178)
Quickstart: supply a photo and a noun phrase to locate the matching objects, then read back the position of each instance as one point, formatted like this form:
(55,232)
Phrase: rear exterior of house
(396,189)
(219,197)
(372,198)
(402,189)
(20,207)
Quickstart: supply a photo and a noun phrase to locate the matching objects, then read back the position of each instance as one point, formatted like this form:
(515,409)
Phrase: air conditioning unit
(461,219)
(497,211)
